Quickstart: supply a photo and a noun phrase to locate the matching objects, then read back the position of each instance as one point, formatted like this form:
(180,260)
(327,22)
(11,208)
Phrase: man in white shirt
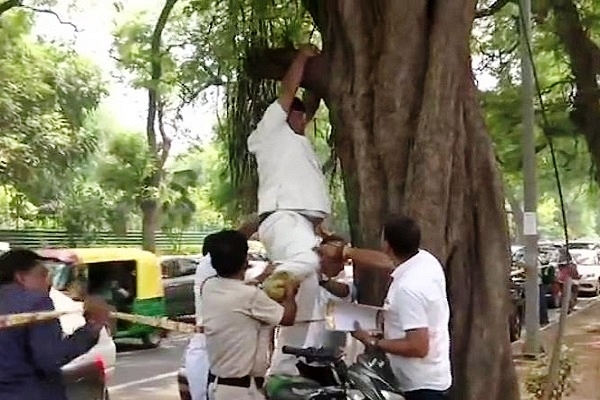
(292,201)
(196,358)
(416,332)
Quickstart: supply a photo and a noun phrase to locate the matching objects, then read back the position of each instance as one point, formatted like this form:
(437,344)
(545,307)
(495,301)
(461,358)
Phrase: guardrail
(36,238)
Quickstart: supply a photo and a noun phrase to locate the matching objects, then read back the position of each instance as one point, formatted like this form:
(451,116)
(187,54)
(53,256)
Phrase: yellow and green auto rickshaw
(130,279)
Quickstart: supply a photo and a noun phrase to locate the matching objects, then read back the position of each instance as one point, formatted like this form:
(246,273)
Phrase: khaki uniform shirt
(238,319)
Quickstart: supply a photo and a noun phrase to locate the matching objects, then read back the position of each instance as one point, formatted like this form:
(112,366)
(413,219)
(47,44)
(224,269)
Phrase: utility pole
(532,295)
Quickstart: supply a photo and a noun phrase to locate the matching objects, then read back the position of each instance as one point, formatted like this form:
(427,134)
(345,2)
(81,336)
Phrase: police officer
(238,319)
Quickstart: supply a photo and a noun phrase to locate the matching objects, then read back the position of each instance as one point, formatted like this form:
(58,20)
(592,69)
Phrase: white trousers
(290,238)
(197,367)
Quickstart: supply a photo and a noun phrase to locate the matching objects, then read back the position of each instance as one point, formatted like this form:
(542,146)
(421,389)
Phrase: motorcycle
(325,376)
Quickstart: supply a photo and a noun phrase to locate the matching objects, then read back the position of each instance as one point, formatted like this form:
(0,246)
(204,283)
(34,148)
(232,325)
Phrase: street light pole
(532,295)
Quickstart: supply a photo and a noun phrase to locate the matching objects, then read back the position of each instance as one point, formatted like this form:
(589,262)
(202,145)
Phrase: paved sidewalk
(582,335)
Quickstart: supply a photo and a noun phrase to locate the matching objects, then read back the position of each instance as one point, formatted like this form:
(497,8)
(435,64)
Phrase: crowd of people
(236,347)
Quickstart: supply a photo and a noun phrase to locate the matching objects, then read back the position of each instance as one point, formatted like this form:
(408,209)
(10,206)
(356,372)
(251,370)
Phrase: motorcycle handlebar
(312,353)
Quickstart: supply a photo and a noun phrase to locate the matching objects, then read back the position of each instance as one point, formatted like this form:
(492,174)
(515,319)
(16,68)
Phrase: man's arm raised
(293,77)
(276,114)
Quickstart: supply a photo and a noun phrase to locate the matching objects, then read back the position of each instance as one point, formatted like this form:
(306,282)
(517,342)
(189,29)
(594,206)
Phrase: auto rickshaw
(128,278)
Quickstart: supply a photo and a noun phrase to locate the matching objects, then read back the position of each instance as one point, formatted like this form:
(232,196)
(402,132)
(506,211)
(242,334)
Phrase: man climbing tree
(292,203)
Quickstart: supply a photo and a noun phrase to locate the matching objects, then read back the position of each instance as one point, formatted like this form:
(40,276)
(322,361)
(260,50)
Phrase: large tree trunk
(584,57)
(149,203)
(149,223)
(411,138)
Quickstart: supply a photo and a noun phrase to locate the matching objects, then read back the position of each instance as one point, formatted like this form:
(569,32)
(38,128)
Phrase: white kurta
(196,359)
(290,175)
(290,181)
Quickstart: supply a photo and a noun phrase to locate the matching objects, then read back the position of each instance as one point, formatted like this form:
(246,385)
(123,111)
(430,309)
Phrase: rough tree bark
(410,136)
(159,152)
(584,56)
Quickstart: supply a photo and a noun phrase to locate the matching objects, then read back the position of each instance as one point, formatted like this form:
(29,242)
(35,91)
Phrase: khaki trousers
(223,392)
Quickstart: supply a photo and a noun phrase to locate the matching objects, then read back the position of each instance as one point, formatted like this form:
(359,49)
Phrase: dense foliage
(65,163)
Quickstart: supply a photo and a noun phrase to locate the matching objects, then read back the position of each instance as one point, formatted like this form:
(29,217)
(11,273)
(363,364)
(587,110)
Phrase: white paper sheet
(341,316)
(530,223)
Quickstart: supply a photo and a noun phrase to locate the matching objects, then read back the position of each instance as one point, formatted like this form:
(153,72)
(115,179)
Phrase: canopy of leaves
(46,91)
(496,46)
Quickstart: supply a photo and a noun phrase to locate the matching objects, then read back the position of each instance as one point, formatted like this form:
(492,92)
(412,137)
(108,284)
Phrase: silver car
(87,376)
(588,266)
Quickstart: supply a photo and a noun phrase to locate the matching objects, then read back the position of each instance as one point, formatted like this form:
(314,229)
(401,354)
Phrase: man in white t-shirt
(416,320)
(196,358)
(293,201)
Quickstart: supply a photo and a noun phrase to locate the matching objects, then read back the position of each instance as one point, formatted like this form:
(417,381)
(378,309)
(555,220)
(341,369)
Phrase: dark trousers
(426,394)
(543,305)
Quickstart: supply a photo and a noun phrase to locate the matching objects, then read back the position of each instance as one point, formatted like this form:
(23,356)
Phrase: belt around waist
(243,382)
(314,220)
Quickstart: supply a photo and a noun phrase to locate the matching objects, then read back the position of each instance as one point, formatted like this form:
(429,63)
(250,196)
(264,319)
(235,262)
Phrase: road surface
(151,374)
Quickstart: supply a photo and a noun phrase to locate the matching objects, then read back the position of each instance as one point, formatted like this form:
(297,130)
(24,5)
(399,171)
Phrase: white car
(87,376)
(588,266)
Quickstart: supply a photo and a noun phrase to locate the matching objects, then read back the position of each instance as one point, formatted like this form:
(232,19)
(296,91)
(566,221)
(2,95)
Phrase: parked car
(584,244)
(178,282)
(86,377)
(548,257)
(588,266)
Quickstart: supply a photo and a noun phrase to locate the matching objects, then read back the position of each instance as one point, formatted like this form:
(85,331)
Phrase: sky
(95,20)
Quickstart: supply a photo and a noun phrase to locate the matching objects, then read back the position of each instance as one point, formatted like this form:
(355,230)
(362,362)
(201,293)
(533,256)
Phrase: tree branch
(8,4)
(156,72)
(46,11)
(584,57)
(273,64)
(166,140)
(492,9)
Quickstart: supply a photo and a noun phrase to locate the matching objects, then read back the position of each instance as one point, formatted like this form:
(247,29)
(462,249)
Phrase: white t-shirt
(289,173)
(417,299)
(204,270)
